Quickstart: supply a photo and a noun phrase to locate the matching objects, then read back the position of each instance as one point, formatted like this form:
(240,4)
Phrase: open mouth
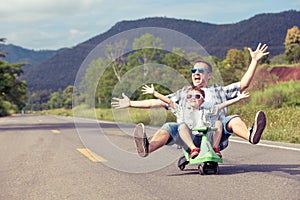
(197,78)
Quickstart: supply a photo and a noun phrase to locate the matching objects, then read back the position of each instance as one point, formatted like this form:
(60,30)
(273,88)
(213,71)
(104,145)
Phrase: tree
(67,97)
(55,101)
(292,45)
(95,78)
(232,67)
(2,54)
(115,53)
(12,90)
(149,46)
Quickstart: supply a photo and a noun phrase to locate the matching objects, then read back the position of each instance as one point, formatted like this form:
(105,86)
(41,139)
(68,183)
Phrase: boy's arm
(150,90)
(241,96)
(256,56)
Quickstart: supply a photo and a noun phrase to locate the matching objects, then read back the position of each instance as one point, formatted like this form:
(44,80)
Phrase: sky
(54,24)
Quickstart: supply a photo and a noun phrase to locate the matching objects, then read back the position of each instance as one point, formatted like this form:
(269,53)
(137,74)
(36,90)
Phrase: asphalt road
(50,157)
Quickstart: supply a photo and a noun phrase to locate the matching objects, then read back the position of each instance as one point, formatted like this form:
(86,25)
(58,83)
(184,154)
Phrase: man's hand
(120,103)
(148,90)
(259,52)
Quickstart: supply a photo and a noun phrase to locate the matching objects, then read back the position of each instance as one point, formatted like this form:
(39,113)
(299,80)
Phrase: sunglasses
(196,96)
(200,70)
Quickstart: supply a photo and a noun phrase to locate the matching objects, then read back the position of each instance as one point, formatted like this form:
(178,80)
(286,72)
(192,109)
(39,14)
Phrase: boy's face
(194,98)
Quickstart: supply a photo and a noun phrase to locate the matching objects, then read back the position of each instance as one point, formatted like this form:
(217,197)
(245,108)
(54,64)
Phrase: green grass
(283,124)
(280,102)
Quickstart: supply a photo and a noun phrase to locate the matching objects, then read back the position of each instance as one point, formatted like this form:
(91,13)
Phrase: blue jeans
(172,129)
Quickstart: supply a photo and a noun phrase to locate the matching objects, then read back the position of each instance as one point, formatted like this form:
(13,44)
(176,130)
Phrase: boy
(198,114)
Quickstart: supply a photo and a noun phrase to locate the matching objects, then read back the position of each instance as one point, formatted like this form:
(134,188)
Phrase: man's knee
(234,122)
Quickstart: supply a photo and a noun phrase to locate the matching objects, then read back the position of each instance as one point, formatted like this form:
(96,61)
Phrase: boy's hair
(197,89)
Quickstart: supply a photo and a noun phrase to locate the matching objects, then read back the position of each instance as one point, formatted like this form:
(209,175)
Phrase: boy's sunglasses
(196,96)
(200,70)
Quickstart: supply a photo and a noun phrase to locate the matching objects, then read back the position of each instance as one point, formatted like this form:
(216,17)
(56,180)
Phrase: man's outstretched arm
(256,56)
(125,102)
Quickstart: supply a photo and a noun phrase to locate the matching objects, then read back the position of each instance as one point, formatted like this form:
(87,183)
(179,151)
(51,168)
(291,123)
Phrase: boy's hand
(243,95)
(259,52)
(148,90)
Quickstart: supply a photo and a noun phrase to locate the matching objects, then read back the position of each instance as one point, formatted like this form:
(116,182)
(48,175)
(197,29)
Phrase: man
(201,73)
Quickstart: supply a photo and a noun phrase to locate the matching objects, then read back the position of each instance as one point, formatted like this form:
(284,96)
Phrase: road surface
(50,157)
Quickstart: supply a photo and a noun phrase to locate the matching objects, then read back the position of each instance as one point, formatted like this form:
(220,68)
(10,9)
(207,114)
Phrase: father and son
(196,106)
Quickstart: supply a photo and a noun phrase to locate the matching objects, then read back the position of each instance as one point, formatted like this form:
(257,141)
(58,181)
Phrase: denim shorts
(172,128)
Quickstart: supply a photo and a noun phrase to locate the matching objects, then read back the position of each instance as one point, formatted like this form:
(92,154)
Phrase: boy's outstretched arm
(150,90)
(241,96)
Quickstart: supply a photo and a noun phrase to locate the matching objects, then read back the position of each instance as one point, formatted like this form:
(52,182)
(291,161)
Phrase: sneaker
(217,151)
(257,128)
(141,141)
(194,153)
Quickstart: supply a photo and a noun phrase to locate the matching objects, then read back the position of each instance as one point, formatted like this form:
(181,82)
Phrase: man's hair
(202,61)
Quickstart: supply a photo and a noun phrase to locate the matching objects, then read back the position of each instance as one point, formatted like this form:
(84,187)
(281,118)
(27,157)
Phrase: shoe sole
(259,126)
(139,138)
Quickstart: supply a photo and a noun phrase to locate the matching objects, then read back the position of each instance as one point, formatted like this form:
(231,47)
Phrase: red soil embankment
(286,73)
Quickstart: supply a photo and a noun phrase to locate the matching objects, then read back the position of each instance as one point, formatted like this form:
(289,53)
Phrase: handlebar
(205,129)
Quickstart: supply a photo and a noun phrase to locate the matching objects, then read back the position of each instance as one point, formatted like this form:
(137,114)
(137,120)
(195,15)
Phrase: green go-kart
(207,160)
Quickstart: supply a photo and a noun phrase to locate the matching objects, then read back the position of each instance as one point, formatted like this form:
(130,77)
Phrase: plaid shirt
(214,95)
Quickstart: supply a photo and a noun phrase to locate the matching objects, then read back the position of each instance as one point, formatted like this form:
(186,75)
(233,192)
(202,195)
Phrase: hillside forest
(113,75)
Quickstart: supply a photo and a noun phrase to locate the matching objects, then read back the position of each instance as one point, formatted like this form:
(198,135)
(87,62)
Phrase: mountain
(17,54)
(60,70)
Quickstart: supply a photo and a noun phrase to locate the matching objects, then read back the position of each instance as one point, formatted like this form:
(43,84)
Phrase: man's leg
(237,126)
(159,139)
(167,134)
(143,146)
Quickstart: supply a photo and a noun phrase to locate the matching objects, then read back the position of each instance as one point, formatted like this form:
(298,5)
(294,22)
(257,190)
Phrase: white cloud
(44,24)
(38,10)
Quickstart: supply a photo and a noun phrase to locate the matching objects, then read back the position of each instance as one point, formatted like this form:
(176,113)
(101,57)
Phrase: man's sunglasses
(200,70)
(196,96)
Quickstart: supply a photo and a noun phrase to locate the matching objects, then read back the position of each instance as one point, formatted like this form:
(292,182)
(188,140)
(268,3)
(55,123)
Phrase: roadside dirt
(286,73)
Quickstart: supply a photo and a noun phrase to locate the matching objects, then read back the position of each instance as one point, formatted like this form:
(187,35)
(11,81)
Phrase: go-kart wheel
(182,162)
(216,170)
(202,169)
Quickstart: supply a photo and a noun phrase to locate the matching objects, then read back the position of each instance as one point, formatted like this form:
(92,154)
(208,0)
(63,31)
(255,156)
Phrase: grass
(283,124)
(280,103)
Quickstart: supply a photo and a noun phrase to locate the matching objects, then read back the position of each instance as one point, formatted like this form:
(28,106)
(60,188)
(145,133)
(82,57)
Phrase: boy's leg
(217,135)
(184,133)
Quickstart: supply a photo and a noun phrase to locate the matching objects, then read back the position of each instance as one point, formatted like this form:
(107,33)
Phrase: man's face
(201,78)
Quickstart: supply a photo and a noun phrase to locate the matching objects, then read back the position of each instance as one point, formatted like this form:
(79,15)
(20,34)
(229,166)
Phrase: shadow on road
(292,169)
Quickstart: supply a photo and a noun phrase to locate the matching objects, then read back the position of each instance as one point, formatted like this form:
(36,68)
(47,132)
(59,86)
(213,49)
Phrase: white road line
(267,145)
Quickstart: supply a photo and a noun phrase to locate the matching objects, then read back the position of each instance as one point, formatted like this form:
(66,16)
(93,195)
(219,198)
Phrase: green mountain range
(60,70)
